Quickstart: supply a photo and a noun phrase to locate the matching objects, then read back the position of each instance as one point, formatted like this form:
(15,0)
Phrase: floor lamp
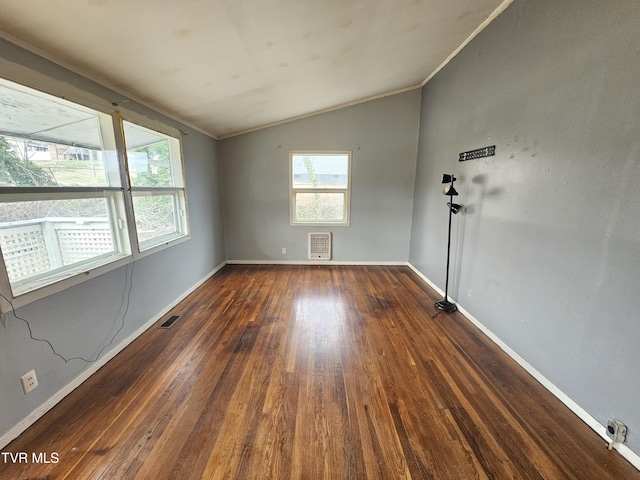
(445,305)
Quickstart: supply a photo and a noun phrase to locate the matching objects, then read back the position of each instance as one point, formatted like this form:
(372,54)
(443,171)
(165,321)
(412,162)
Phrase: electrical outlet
(284,250)
(616,431)
(29,381)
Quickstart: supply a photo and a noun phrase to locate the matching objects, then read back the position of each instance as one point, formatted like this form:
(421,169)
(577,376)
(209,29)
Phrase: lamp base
(446,306)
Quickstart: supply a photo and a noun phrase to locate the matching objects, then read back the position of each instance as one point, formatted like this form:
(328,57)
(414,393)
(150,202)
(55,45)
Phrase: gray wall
(255,170)
(547,254)
(81,319)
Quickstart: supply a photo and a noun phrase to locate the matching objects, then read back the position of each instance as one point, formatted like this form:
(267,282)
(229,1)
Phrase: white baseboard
(600,429)
(75,383)
(312,262)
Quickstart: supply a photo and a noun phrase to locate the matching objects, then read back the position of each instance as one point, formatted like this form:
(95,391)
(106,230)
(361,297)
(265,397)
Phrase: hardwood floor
(309,373)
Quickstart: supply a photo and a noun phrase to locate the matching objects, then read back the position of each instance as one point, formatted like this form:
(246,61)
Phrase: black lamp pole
(445,305)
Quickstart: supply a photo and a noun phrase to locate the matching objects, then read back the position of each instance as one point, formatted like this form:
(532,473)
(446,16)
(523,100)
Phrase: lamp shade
(448,178)
(449,190)
(455,208)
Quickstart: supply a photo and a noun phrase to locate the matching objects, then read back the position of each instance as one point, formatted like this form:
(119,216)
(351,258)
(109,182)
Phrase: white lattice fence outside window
(25,251)
(81,242)
(37,246)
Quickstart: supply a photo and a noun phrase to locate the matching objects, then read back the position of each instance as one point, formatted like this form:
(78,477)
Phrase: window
(155,172)
(61,199)
(69,209)
(320,187)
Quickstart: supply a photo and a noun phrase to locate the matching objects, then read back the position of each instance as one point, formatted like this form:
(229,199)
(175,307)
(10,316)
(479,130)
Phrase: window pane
(25,163)
(320,207)
(47,141)
(155,216)
(320,170)
(149,156)
(41,239)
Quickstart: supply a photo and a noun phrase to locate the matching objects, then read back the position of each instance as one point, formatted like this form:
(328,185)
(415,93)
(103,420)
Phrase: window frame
(345,191)
(68,276)
(119,213)
(178,190)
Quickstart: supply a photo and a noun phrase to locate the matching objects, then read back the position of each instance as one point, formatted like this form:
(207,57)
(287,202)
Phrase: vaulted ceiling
(229,66)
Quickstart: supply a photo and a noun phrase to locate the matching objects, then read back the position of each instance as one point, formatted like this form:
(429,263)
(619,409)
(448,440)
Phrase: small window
(154,163)
(320,187)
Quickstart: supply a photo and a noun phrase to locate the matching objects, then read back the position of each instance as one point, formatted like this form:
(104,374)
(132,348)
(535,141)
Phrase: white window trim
(130,250)
(345,191)
(83,272)
(179,196)
(145,248)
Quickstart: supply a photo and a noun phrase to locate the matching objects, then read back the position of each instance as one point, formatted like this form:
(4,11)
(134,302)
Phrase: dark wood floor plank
(293,372)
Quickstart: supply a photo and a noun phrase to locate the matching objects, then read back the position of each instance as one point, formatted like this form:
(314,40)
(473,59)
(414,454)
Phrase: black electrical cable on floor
(125,303)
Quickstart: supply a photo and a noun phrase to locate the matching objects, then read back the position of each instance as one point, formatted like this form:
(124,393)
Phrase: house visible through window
(320,187)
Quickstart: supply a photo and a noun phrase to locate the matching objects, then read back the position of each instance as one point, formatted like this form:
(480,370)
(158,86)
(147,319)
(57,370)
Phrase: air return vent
(170,321)
(320,246)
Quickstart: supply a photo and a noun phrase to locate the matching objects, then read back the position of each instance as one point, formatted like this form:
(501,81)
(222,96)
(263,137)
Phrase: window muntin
(320,187)
(154,164)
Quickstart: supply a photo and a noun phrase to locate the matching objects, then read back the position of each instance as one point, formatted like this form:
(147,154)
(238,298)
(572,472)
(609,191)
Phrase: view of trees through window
(18,170)
(156,165)
(25,163)
(150,169)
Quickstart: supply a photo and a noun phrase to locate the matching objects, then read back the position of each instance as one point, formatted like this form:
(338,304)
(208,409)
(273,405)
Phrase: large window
(68,207)
(320,187)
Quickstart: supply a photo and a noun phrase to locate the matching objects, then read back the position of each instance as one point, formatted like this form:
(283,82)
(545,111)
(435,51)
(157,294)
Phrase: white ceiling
(229,66)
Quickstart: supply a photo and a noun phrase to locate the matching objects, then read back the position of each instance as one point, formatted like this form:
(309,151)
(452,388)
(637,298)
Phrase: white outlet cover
(29,381)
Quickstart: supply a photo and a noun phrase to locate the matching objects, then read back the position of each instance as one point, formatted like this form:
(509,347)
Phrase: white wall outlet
(617,431)
(284,250)
(29,381)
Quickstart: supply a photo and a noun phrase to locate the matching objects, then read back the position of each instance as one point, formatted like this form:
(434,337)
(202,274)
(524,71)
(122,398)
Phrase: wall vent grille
(320,246)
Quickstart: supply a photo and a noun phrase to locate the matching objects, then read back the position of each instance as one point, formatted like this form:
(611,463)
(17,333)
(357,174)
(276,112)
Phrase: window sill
(49,286)
(75,276)
(319,224)
(158,244)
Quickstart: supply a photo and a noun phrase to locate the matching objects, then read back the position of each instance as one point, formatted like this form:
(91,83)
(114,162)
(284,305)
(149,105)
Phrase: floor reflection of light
(319,321)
